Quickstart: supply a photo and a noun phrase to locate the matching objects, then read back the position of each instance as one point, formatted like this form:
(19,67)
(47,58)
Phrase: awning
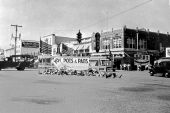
(86,46)
(80,47)
(75,47)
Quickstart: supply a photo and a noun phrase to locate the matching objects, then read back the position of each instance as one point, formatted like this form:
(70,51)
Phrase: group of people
(126,67)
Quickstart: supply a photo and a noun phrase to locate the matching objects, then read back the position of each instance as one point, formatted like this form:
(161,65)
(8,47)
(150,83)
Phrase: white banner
(75,63)
(64,62)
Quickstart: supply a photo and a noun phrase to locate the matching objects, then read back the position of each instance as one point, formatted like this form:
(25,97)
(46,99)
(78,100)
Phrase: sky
(39,18)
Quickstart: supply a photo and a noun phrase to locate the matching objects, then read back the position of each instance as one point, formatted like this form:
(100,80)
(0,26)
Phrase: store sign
(141,59)
(168,52)
(30,44)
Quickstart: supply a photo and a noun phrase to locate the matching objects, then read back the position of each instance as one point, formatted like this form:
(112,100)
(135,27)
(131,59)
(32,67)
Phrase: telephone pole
(16,30)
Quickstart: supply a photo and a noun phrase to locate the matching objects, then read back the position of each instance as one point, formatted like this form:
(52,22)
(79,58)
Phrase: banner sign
(141,59)
(65,62)
(30,44)
(141,62)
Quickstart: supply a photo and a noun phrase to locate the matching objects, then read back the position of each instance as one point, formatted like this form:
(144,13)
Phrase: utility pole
(16,30)
(137,35)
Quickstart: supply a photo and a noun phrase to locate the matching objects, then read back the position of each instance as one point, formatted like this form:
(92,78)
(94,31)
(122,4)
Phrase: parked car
(161,67)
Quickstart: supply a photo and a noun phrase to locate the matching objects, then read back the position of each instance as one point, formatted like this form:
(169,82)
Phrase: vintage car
(161,67)
(19,64)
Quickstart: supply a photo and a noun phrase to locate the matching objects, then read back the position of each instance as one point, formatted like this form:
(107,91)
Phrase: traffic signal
(97,37)
(79,36)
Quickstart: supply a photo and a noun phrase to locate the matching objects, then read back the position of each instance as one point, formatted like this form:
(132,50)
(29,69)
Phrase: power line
(122,12)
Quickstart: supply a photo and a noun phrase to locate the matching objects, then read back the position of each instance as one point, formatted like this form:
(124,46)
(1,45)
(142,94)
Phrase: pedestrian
(128,67)
(124,66)
(120,66)
(139,67)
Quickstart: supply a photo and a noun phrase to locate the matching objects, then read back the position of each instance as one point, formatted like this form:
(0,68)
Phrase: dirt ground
(135,92)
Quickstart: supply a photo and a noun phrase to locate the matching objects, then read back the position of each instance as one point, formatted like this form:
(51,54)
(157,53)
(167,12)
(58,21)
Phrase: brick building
(132,46)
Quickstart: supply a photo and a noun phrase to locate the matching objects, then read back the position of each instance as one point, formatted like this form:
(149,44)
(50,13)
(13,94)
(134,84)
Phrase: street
(135,92)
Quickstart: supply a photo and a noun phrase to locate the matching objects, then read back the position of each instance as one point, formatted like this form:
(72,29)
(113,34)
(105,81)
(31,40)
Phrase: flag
(45,47)
(67,50)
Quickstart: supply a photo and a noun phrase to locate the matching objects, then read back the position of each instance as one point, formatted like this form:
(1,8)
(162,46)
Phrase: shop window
(81,50)
(75,51)
(86,50)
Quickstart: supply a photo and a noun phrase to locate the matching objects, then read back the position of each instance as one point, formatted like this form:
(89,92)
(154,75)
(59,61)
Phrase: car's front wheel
(167,75)
(151,73)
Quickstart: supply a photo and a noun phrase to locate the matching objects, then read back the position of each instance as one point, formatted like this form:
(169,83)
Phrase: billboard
(141,59)
(30,44)
(168,52)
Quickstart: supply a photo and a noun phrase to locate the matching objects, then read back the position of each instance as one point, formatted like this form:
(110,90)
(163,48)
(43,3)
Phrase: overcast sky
(66,17)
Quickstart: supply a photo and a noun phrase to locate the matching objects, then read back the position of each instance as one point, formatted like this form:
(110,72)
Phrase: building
(59,45)
(132,46)
(2,54)
(83,48)
(52,44)
(23,47)
(127,46)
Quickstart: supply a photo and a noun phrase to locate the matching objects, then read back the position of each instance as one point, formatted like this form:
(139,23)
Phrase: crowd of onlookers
(128,67)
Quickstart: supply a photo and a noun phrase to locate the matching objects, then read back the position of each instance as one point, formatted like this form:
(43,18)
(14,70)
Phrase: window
(94,62)
(105,44)
(81,50)
(54,51)
(75,51)
(116,42)
(86,50)
(147,57)
(105,63)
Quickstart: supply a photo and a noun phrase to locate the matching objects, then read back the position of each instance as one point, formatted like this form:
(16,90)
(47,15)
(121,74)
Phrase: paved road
(135,92)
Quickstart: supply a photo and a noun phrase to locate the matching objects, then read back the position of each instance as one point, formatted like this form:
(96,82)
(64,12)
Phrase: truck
(101,63)
(20,62)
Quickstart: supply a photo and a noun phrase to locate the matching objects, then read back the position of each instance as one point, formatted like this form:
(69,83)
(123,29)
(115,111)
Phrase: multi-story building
(128,46)
(83,48)
(52,44)
(132,46)
(58,45)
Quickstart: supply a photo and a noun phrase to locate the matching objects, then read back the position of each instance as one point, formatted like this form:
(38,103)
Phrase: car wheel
(151,74)
(167,75)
